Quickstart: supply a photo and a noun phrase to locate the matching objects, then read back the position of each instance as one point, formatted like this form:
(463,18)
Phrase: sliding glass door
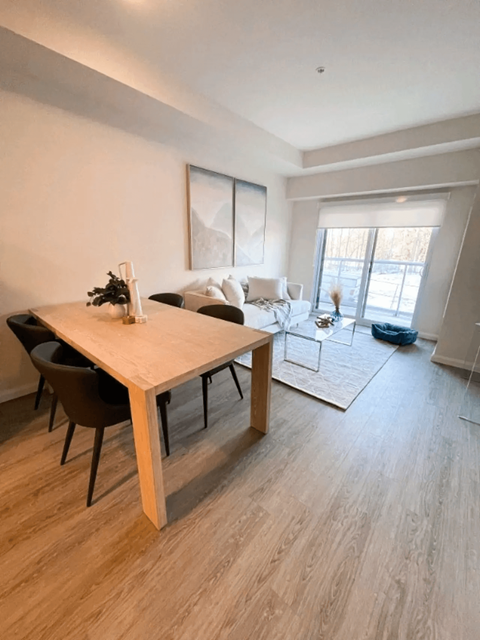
(342,260)
(399,261)
(381,271)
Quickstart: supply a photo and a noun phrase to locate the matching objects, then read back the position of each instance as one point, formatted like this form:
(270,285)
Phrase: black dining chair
(30,334)
(173,299)
(230,314)
(90,398)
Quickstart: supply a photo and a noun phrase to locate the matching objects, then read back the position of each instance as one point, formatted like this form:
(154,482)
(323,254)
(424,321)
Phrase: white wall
(442,265)
(303,244)
(78,197)
(463,308)
(443,260)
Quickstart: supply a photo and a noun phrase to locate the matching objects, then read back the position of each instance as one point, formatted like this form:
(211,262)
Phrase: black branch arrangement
(114,292)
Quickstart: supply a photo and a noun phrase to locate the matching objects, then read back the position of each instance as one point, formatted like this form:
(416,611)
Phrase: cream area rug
(344,371)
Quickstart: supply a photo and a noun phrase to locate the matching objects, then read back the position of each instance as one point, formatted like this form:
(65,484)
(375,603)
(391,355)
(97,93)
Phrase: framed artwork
(227,220)
(250,218)
(210,202)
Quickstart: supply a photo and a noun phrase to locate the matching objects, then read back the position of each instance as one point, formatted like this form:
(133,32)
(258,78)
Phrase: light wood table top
(172,347)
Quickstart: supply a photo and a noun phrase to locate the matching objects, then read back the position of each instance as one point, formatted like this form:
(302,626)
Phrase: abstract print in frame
(250,218)
(210,197)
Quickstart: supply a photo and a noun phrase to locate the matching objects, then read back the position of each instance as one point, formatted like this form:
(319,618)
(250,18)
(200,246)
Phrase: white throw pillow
(233,292)
(268,288)
(213,283)
(215,292)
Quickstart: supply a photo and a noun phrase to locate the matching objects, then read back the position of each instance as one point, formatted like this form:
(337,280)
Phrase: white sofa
(254,317)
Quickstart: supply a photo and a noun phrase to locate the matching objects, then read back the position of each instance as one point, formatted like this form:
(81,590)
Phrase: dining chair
(90,398)
(173,299)
(30,334)
(230,314)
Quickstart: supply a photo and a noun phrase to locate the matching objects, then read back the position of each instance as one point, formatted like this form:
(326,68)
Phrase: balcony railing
(392,289)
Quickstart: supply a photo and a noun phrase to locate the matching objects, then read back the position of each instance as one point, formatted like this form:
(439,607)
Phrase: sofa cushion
(257,318)
(267,288)
(233,292)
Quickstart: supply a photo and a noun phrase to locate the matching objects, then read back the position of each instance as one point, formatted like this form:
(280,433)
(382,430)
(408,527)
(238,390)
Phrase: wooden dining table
(172,347)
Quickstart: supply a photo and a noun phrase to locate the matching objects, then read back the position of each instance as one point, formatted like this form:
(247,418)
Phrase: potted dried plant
(115,293)
(336,294)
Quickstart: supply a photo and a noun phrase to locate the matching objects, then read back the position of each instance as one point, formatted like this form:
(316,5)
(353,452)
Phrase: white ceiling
(389,64)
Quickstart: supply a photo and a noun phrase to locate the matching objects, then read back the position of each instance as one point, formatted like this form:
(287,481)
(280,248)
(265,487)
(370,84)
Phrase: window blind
(414,213)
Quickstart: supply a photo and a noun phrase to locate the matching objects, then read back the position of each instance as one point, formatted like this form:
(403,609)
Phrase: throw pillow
(213,283)
(233,292)
(215,292)
(268,288)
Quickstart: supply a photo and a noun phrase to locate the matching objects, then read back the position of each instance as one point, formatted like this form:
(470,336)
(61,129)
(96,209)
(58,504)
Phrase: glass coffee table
(308,330)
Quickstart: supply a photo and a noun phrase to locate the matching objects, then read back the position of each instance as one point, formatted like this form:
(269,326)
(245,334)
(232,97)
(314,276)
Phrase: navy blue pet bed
(394,334)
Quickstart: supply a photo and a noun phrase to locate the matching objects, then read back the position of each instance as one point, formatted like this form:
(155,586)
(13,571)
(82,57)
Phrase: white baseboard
(428,336)
(451,362)
(18,392)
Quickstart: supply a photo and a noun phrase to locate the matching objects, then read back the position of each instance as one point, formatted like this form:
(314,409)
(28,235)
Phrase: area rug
(344,371)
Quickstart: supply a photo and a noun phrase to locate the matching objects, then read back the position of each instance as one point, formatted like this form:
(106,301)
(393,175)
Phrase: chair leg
(163,417)
(41,382)
(235,379)
(53,409)
(97,448)
(205,400)
(68,439)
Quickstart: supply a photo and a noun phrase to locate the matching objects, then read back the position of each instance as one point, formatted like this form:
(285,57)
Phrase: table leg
(149,457)
(261,387)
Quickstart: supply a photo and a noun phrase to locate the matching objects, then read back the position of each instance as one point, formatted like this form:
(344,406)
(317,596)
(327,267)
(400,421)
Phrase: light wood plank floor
(350,525)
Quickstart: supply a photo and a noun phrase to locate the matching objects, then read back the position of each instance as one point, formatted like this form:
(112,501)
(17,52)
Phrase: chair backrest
(173,299)
(76,387)
(223,312)
(28,331)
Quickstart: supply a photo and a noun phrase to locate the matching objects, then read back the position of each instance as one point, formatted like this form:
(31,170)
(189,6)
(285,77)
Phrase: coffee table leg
(299,364)
(148,451)
(261,387)
(319,355)
(353,332)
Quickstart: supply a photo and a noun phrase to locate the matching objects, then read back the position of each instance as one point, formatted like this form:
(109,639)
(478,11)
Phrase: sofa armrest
(195,299)
(295,291)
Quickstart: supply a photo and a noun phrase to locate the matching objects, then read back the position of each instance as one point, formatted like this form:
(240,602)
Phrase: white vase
(116,311)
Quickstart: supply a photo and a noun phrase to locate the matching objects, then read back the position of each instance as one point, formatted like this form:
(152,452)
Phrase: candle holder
(135,304)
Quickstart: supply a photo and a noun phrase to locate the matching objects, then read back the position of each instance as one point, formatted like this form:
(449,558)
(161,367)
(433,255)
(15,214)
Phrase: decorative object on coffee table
(336,294)
(115,293)
(324,321)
